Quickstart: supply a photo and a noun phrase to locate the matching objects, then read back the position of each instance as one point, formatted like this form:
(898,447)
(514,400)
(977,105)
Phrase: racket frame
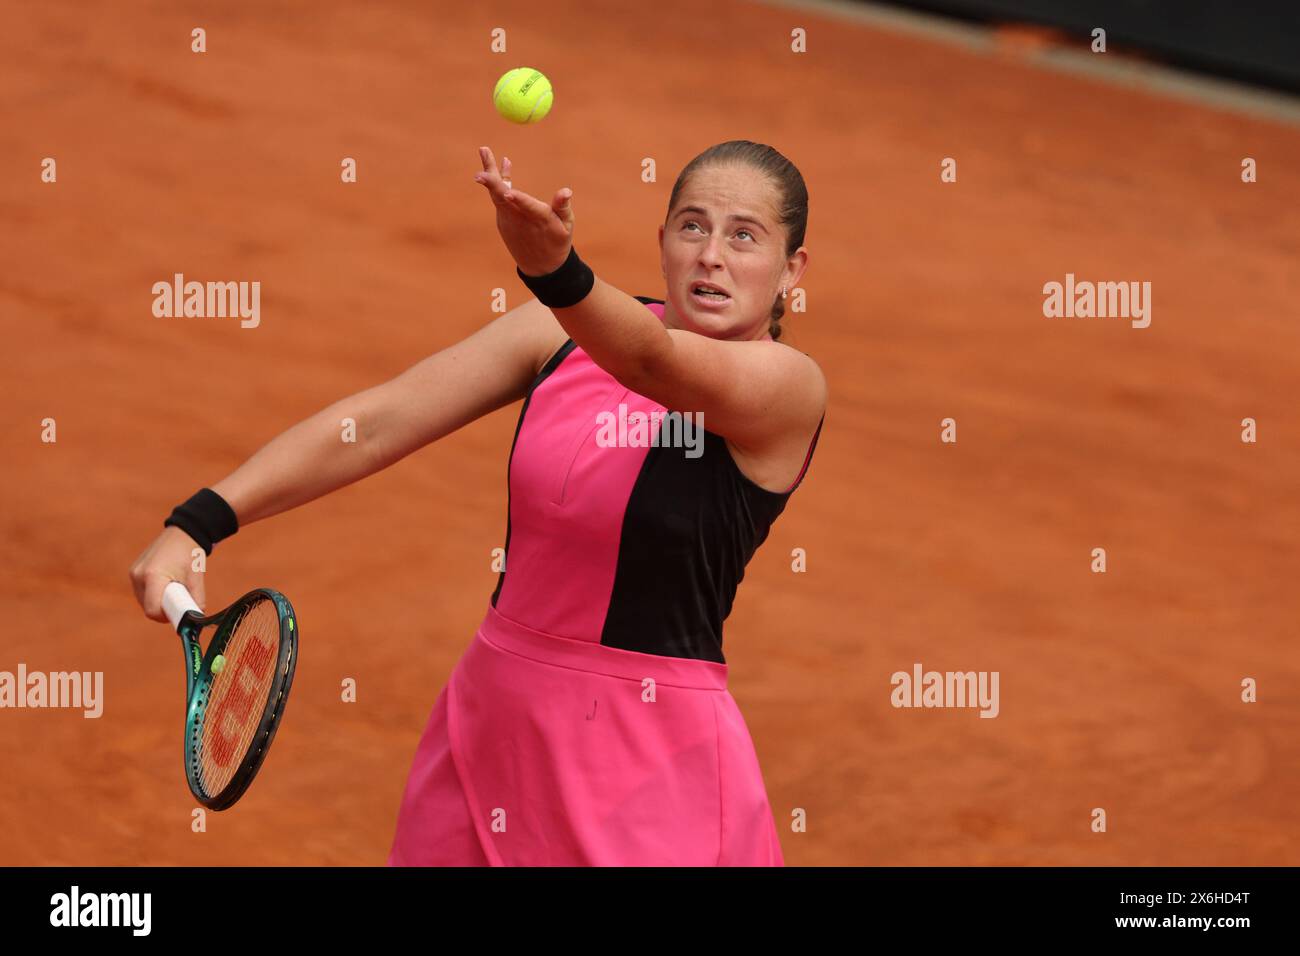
(198,681)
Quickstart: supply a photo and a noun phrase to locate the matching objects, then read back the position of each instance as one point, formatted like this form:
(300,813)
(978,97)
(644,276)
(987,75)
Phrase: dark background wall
(1253,40)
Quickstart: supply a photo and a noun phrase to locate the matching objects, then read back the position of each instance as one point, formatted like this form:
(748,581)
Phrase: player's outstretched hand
(538,236)
(169,558)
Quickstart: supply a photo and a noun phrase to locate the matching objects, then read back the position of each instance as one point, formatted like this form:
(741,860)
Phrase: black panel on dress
(691,526)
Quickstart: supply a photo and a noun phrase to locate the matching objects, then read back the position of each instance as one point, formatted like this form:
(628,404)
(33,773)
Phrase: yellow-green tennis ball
(523,95)
(218,664)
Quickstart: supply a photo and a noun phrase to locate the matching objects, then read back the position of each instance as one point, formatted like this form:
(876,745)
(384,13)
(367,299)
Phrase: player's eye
(746,232)
(689,222)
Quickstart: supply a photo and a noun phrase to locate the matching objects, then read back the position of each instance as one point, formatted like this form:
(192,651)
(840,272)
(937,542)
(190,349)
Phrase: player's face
(724,230)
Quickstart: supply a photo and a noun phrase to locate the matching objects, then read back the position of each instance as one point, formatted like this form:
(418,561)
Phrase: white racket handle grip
(176,601)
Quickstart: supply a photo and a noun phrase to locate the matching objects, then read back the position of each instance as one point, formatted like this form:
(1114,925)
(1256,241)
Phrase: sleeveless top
(629,545)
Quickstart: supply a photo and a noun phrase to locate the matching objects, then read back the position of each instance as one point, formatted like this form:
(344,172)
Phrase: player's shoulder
(799,380)
(813,371)
(800,366)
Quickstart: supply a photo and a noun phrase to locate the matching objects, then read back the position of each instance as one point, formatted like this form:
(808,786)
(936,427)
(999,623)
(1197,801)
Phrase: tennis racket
(235,694)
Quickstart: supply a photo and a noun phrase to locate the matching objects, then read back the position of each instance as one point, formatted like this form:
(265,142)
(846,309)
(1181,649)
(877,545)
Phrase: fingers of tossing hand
(499,185)
(497,182)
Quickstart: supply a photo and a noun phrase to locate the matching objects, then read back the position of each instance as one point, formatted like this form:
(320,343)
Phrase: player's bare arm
(430,400)
(433,398)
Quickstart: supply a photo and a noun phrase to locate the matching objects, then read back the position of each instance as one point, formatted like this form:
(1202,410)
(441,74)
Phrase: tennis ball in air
(218,664)
(523,95)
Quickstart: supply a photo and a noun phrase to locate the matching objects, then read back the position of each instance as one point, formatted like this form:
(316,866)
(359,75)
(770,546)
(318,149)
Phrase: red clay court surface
(1118,691)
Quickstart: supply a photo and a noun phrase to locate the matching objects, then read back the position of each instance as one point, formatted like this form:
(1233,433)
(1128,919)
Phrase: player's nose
(711,253)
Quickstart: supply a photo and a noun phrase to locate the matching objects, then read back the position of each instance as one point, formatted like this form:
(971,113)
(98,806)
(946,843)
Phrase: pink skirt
(549,751)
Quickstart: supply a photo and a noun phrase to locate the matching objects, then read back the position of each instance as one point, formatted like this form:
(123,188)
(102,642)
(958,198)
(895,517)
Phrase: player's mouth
(709,295)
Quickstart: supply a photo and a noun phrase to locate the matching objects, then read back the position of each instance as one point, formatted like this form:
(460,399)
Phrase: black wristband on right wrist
(206,517)
(568,285)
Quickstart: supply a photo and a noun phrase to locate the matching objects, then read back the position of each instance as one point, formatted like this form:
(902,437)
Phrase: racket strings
(237,697)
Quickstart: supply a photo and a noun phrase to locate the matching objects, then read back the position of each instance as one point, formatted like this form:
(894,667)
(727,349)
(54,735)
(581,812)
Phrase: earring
(783,292)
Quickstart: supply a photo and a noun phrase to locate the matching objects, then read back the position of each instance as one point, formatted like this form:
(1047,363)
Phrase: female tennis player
(589,722)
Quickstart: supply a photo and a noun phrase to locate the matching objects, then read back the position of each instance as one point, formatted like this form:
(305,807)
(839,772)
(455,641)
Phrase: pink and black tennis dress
(589,722)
